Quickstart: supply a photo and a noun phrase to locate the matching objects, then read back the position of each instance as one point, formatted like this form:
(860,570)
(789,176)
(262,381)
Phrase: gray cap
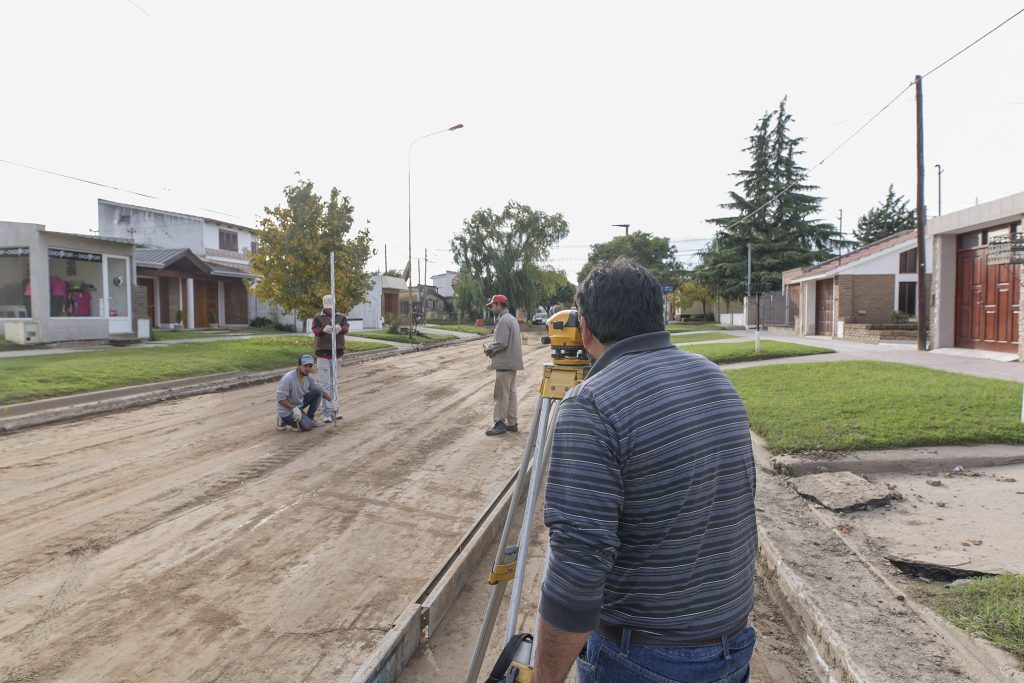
(306,359)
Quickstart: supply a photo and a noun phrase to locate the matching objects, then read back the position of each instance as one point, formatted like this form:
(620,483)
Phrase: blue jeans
(607,661)
(310,402)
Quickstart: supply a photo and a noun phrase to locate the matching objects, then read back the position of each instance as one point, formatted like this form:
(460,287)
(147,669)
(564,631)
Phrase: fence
(776,310)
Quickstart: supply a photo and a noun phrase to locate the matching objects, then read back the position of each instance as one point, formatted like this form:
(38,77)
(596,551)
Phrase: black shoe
(498,428)
(512,428)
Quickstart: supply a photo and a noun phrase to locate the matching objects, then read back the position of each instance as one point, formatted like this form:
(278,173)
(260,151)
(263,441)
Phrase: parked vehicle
(540,319)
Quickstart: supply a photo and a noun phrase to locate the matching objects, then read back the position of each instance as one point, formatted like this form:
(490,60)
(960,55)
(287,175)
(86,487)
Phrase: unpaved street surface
(189,540)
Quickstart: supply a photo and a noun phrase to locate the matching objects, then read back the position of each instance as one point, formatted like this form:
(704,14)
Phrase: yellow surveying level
(568,368)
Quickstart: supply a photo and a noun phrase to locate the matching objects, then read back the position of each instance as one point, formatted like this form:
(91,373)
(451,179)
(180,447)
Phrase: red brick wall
(866,298)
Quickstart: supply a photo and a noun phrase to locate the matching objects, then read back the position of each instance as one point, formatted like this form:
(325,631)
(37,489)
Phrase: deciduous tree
(292,265)
(501,253)
(656,254)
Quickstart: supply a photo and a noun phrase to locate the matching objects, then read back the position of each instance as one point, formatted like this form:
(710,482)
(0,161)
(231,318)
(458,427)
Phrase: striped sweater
(650,498)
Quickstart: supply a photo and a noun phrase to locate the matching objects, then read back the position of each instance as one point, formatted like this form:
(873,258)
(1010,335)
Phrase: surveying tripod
(569,368)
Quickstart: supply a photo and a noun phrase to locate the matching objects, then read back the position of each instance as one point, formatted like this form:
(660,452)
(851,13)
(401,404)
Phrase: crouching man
(298,397)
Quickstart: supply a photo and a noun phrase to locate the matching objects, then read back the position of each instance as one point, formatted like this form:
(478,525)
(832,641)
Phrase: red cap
(498,299)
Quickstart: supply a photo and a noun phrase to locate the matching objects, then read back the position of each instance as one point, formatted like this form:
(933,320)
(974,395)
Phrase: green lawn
(692,327)
(741,352)
(700,337)
(420,337)
(868,405)
(9,345)
(170,335)
(29,378)
(990,607)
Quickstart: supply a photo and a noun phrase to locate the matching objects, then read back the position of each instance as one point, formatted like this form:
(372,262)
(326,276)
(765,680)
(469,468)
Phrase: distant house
(851,295)
(978,288)
(380,304)
(58,286)
(426,302)
(195,265)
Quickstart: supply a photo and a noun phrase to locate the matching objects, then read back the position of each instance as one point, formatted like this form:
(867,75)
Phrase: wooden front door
(823,307)
(987,302)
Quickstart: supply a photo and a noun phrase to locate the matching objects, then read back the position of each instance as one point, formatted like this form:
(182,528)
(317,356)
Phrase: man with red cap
(506,354)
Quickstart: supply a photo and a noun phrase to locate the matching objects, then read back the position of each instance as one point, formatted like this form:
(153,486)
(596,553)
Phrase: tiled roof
(866,252)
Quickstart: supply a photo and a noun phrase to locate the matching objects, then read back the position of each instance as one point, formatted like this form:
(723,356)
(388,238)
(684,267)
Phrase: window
(908,298)
(254,246)
(908,261)
(75,283)
(228,240)
(15,291)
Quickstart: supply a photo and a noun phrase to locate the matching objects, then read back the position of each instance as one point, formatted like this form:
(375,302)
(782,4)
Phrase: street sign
(668,288)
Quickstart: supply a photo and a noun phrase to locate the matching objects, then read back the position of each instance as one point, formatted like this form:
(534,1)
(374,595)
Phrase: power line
(868,122)
(81,180)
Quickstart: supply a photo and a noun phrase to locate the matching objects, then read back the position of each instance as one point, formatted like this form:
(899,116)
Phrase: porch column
(190,300)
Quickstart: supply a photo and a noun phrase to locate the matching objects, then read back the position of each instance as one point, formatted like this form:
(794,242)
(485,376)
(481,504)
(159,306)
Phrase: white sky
(608,112)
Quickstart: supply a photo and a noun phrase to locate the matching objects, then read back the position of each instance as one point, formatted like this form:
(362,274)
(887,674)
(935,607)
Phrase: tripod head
(565,339)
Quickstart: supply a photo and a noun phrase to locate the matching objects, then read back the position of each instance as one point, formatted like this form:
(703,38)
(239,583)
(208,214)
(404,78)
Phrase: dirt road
(189,540)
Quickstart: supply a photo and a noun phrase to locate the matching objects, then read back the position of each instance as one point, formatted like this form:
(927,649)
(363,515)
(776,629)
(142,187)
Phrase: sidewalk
(965,361)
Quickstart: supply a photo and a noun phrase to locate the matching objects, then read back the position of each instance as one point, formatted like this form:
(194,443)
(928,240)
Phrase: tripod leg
(548,409)
(498,590)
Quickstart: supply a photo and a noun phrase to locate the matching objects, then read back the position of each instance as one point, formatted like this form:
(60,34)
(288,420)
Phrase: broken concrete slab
(935,571)
(841,491)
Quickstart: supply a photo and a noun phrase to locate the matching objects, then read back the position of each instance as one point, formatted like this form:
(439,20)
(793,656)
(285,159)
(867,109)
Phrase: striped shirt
(650,498)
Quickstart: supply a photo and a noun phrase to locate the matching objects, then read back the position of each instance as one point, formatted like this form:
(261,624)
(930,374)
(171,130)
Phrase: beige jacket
(506,351)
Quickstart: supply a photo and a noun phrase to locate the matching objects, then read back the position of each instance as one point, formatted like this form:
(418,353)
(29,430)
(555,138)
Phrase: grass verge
(692,327)
(742,352)
(989,607)
(171,335)
(30,378)
(870,405)
(471,329)
(700,337)
(420,337)
(9,345)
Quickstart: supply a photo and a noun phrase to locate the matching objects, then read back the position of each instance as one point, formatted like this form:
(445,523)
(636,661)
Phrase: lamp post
(436,132)
(939,166)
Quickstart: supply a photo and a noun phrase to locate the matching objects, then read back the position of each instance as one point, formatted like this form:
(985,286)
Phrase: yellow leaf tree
(292,265)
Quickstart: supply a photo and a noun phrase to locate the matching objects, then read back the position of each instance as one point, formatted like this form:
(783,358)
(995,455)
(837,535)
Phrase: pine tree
(891,216)
(772,212)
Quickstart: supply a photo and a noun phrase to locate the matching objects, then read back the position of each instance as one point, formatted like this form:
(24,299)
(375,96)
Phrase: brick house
(978,288)
(852,295)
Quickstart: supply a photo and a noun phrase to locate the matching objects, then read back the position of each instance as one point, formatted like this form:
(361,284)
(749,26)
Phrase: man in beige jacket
(506,354)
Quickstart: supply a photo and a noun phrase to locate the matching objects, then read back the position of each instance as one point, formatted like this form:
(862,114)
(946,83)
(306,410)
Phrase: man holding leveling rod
(650,504)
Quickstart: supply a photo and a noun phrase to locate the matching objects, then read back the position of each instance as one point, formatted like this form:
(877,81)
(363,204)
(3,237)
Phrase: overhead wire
(870,120)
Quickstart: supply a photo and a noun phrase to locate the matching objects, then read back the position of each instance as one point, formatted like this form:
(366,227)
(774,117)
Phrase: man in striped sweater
(650,504)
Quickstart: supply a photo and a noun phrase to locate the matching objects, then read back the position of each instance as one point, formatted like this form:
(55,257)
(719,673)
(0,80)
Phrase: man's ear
(588,337)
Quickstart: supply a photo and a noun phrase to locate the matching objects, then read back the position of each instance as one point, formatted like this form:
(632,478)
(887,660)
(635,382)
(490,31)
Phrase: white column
(190,297)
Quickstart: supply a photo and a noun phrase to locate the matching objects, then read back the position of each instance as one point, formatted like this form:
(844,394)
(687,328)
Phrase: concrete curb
(77,406)
(825,639)
(919,460)
(421,618)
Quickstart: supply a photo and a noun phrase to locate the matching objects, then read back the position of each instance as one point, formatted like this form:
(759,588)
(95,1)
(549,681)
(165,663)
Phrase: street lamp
(939,166)
(436,132)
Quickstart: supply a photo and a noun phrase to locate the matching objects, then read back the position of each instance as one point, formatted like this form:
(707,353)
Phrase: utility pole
(922,295)
(840,237)
(939,166)
(385,258)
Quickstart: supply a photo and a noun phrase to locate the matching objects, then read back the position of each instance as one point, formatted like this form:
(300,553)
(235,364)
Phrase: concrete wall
(151,228)
(942,232)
